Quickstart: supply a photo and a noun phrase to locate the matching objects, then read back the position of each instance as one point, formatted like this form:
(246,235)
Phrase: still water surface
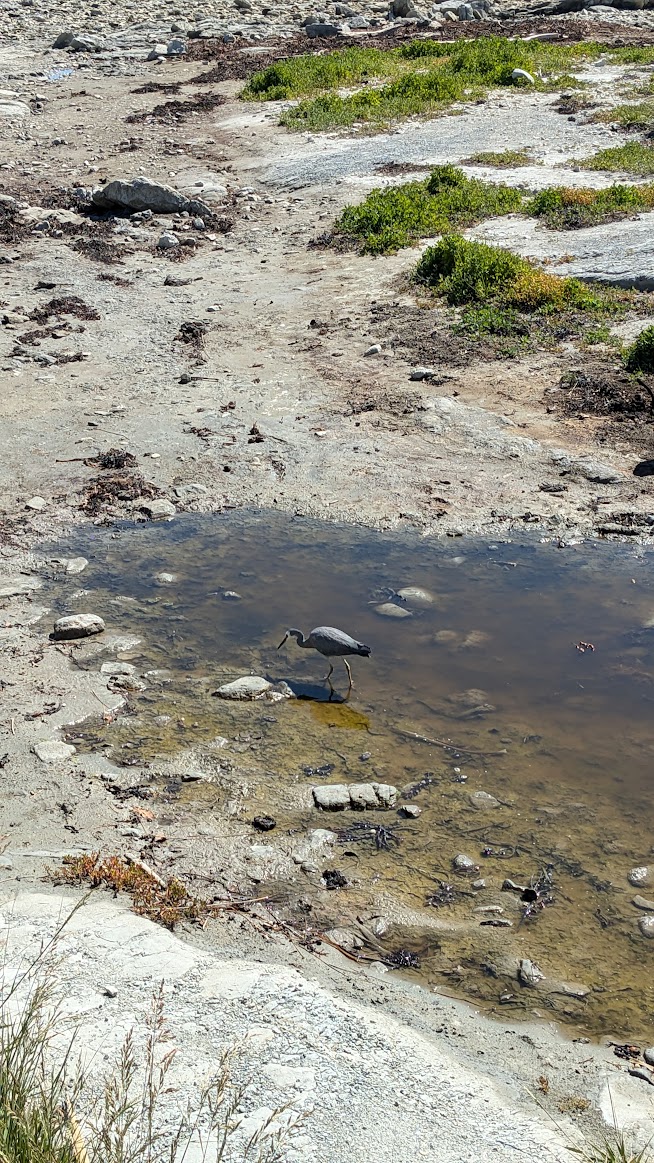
(562,738)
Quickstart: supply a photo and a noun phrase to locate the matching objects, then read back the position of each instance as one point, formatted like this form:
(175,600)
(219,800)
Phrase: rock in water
(528,973)
(77,626)
(464,864)
(416,596)
(390,610)
(248,687)
(646,926)
(638,876)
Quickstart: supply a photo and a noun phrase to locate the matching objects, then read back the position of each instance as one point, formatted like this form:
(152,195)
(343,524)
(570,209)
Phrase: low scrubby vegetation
(632,158)
(422,77)
(505,159)
(637,117)
(448,201)
(389,219)
(640,356)
(568,208)
(508,304)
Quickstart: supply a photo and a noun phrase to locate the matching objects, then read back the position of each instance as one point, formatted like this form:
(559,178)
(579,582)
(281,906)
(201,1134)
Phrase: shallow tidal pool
(531,671)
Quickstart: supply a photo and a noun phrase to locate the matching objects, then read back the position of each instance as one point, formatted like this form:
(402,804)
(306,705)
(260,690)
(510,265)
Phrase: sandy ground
(288,327)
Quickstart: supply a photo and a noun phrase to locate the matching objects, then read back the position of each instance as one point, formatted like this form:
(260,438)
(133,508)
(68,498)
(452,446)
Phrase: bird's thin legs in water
(349,675)
(330,672)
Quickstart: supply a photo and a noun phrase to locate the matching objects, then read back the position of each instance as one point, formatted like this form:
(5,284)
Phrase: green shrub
(468,272)
(563,208)
(634,158)
(640,356)
(636,117)
(471,272)
(389,219)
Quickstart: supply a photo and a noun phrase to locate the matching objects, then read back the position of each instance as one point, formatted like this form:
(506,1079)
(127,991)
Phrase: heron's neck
(299,637)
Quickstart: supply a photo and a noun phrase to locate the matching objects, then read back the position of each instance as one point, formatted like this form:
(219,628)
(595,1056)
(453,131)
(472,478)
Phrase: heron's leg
(329,674)
(349,675)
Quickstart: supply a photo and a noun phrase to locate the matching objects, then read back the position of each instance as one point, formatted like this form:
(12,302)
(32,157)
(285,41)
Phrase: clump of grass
(632,158)
(568,208)
(447,200)
(445,73)
(637,117)
(505,159)
(640,356)
(50,1111)
(466,273)
(165,901)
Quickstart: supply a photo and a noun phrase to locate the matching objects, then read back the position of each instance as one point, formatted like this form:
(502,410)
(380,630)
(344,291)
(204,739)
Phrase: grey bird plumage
(332,643)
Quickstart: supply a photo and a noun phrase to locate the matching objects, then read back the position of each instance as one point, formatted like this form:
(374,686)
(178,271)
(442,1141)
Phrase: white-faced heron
(332,643)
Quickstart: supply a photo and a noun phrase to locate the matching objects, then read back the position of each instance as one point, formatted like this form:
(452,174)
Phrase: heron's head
(297,634)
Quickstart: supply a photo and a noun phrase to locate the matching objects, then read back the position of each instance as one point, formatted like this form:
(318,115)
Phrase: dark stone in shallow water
(645,468)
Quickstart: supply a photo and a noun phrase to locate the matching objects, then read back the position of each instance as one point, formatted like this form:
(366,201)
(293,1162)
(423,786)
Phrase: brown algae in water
(544,758)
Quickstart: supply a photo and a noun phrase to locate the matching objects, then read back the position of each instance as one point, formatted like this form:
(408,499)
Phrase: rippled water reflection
(560,737)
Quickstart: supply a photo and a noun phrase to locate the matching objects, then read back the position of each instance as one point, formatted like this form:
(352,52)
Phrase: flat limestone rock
(77,626)
(248,687)
(19,587)
(336,797)
(53,750)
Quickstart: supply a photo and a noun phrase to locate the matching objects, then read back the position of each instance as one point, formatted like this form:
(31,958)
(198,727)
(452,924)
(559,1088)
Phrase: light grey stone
(13,108)
(144,194)
(77,626)
(482,800)
(158,509)
(159,50)
(18,588)
(528,973)
(113,669)
(248,687)
(646,926)
(465,864)
(390,610)
(642,903)
(36,503)
(416,596)
(76,564)
(167,240)
(53,750)
(332,797)
(175,47)
(638,876)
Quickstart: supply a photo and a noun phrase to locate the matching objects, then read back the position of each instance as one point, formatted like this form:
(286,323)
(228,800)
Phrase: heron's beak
(282,641)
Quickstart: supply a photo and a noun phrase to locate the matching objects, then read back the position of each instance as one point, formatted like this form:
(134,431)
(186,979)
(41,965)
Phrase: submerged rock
(641,903)
(416,596)
(464,864)
(646,926)
(528,973)
(638,876)
(390,610)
